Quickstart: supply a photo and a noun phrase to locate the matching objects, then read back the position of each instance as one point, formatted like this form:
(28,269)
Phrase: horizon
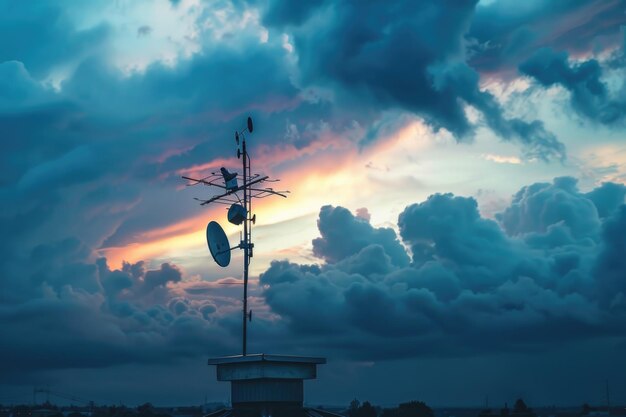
(456,222)
(435,407)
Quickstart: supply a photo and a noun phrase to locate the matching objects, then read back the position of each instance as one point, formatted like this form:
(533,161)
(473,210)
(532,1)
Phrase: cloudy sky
(456,225)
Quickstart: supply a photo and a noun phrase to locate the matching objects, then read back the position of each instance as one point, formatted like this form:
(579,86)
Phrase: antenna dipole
(241,213)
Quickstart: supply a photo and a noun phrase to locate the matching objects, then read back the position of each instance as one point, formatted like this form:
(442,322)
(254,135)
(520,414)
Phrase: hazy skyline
(456,224)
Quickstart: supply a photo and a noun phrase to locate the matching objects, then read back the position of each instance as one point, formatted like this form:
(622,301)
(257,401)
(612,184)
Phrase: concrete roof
(264,357)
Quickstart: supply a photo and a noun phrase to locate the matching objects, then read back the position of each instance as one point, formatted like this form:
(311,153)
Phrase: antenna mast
(247,244)
(240,211)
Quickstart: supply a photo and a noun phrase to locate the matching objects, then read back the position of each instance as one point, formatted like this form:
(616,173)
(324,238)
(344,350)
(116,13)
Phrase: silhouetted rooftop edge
(263,357)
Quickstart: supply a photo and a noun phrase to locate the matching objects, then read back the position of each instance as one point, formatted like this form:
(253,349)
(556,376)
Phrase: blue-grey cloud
(550,272)
(379,55)
(87,315)
(448,227)
(106,130)
(43,36)
(590,96)
(611,263)
(95,156)
(117,139)
(167,273)
(538,207)
(504,33)
(344,234)
(607,197)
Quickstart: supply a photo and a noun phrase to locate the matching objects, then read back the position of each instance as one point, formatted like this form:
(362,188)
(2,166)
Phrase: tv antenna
(239,199)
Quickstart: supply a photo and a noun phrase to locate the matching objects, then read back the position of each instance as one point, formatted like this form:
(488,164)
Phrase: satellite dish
(218,244)
(236,214)
(237,137)
(250,126)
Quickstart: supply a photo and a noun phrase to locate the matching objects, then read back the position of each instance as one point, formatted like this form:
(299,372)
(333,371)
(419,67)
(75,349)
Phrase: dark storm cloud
(506,32)
(472,287)
(105,130)
(17,87)
(538,207)
(344,234)
(87,315)
(290,12)
(109,144)
(97,158)
(607,197)
(449,227)
(42,36)
(167,273)
(590,96)
(61,264)
(410,56)
(611,263)
(552,273)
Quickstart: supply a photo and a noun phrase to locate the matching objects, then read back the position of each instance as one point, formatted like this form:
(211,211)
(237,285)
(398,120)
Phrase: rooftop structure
(267,383)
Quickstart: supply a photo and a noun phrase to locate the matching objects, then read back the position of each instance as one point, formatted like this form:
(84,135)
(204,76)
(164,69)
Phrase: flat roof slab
(267,367)
(264,357)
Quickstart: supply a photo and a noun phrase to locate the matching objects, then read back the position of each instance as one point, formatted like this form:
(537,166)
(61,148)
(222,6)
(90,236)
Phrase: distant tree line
(410,409)
(144,410)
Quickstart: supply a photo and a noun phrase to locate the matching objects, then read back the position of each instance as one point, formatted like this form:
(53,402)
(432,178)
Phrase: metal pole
(245,245)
